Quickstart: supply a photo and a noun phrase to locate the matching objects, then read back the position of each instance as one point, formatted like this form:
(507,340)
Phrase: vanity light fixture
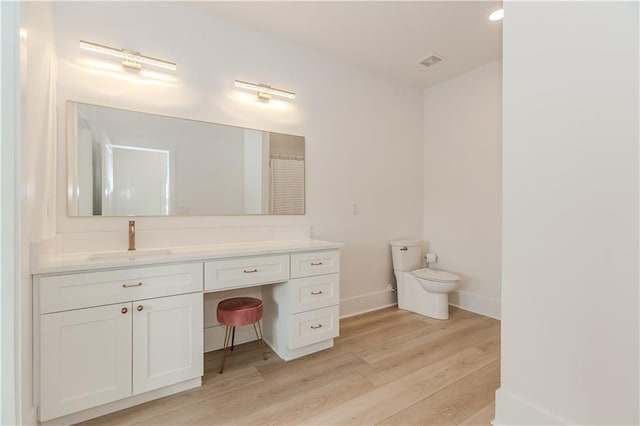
(265,91)
(129,58)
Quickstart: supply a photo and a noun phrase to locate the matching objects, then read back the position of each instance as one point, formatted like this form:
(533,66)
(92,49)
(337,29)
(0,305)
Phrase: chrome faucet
(132,235)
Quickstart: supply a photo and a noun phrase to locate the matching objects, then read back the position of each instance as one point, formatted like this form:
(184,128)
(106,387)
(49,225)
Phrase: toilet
(421,290)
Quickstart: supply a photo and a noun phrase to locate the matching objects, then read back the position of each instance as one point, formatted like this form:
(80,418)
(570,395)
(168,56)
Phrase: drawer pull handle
(131,285)
(315,293)
(250,271)
(124,310)
(139,308)
(316,326)
(404,249)
(316,263)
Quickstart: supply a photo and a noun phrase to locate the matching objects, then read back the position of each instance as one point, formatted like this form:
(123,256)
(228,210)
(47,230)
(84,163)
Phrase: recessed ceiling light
(496,15)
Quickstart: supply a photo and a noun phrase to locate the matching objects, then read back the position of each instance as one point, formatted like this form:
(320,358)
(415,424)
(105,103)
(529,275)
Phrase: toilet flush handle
(403,249)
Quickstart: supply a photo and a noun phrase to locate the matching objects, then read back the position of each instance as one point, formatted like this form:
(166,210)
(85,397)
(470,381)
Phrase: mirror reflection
(126,163)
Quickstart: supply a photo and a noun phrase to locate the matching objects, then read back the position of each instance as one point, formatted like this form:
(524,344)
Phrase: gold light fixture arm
(130,58)
(264,90)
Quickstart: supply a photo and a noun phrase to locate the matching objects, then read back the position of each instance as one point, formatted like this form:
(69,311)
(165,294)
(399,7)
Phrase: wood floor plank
(389,367)
(213,384)
(295,410)
(229,406)
(370,318)
(312,365)
(490,346)
(405,363)
(389,325)
(385,401)
(468,395)
(375,337)
(410,340)
(483,417)
(416,415)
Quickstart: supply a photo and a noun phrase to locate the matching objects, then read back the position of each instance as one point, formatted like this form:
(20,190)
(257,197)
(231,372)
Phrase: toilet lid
(436,275)
(407,243)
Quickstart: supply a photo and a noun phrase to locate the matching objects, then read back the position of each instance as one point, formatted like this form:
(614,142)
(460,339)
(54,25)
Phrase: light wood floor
(388,367)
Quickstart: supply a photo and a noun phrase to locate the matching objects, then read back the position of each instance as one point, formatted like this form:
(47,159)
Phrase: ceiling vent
(431,60)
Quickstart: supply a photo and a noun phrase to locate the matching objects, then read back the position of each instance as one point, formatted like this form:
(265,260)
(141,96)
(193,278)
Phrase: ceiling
(386,37)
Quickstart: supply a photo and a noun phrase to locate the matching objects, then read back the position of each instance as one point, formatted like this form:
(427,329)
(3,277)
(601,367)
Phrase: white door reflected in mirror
(136,181)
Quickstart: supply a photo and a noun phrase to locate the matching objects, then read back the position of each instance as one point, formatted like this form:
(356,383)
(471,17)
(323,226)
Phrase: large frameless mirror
(126,163)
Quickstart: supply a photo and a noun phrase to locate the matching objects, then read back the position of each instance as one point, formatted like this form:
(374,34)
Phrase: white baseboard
(366,303)
(475,303)
(513,410)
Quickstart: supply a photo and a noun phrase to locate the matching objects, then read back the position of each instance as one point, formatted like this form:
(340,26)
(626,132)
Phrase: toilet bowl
(421,290)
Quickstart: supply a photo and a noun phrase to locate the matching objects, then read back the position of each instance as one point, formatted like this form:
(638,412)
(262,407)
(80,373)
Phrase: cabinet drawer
(65,292)
(314,292)
(315,263)
(314,326)
(222,274)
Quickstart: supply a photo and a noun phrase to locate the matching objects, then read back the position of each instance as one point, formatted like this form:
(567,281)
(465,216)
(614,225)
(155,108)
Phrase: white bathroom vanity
(113,329)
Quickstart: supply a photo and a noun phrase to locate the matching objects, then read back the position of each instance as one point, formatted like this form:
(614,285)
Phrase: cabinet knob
(250,271)
(315,293)
(124,310)
(139,308)
(316,326)
(131,285)
(316,263)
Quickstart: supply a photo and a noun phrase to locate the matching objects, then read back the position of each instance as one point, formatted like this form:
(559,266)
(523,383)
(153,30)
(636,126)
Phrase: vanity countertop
(83,261)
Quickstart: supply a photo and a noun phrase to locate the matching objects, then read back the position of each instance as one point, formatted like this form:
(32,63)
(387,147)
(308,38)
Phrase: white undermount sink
(129,254)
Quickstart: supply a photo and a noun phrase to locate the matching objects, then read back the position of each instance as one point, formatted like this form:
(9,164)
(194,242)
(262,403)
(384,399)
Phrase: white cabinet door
(85,359)
(167,341)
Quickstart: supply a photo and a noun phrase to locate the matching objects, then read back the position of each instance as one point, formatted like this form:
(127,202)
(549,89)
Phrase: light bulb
(496,15)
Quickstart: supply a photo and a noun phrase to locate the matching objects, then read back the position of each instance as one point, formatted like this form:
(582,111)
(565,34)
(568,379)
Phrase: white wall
(363,131)
(37,172)
(462,183)
(9,217)
(570,214)
(285,145)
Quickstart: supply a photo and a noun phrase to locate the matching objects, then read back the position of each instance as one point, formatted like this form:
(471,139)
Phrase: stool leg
(259,336)
(233,336)
(227,334)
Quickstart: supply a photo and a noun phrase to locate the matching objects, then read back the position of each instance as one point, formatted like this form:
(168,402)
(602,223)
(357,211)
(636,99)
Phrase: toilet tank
(406,254)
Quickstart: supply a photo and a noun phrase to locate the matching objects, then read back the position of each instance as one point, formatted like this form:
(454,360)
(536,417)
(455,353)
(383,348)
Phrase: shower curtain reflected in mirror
(287,184)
